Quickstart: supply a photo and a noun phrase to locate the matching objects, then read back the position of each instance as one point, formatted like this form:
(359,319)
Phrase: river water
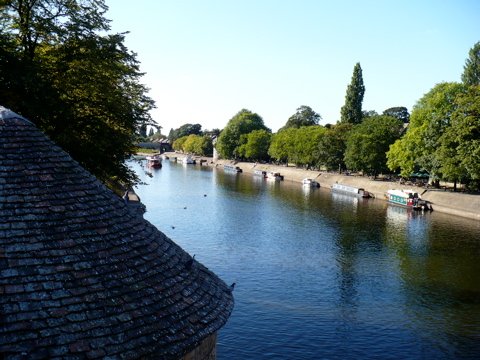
(320,275)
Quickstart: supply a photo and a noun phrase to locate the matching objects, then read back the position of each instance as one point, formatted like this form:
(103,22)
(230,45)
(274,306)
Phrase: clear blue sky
(206,60)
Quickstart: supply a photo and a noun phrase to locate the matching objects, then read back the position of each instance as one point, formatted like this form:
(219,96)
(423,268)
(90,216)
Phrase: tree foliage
(351,112)
(230,139)
(471,70)
(431,116)
(304,116)
(460,143)
(368,143)
(194,144)
(298,146)
(60,68)
(256,146)
(184,130)
(399,112)
(332,146)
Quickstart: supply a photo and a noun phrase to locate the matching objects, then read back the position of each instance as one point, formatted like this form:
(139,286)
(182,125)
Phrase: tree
(399,112)
(257,145)
(368,143)
(471,70)
(61,69)
(304,116)
(184,130)
(351,112)
(230,139)
(282,145)
(431,116)
(331,147)
(459,150)
(151,132)
(306,144)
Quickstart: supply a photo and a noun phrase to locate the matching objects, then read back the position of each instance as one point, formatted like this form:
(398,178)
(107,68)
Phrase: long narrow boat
(232,168)
(407,198)
(350,190)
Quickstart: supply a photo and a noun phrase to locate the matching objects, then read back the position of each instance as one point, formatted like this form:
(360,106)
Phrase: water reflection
(324,276)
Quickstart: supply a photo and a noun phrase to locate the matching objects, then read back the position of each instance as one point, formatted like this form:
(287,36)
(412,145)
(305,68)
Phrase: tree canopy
(61,68)
(351,112)
(399,112)
(471,70)
(431,116)
(184,130)
(368,143)
(230,139)
(304,116)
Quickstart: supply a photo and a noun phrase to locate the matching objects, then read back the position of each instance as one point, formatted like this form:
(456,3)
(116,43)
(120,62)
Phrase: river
(320,275)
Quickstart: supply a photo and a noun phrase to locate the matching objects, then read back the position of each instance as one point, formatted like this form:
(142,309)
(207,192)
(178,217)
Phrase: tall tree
(332,145)
(351,112)
(459,150)
(60,68)
(256,145)
(368,143)
(230,139)
(304,116)
(431,116)
(471,70)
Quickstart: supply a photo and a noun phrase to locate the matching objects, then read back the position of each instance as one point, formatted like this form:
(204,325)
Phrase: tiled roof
(81,276)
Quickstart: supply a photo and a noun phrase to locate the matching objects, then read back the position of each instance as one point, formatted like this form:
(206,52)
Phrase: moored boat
(232,168)
(407,198)
(350,190)
(260,173)
(188,160)
(274,176)
(307,182)
(154,161)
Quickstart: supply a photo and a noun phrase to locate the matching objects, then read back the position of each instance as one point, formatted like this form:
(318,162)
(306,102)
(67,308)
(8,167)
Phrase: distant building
(82,276)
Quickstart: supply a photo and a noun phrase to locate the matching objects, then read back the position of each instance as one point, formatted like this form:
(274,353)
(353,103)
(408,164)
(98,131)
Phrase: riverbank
(455,203)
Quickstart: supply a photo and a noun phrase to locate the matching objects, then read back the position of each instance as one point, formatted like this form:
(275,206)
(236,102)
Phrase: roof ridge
(7,114)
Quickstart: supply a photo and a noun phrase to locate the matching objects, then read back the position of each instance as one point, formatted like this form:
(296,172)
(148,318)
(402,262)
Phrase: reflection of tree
(439,275)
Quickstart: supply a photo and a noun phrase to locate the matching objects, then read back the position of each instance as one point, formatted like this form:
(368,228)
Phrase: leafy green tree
(471,70)
(304,116)
(230,139)
(306,145)
(459,151)
(179,143)
(185,130)
(368,143)
(256,145)
(399,112)
(151,132)
(332,145)
(431,116)
(351,112)
(282,145)
(60,68)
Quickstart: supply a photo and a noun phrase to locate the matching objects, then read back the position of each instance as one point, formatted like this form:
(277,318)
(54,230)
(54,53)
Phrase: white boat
(260,173)
(350,190)
(188,160)
(274,176)
(154,161)
(307,182)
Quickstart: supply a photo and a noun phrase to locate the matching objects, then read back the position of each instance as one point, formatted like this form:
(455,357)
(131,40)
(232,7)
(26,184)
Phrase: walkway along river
(323,275)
